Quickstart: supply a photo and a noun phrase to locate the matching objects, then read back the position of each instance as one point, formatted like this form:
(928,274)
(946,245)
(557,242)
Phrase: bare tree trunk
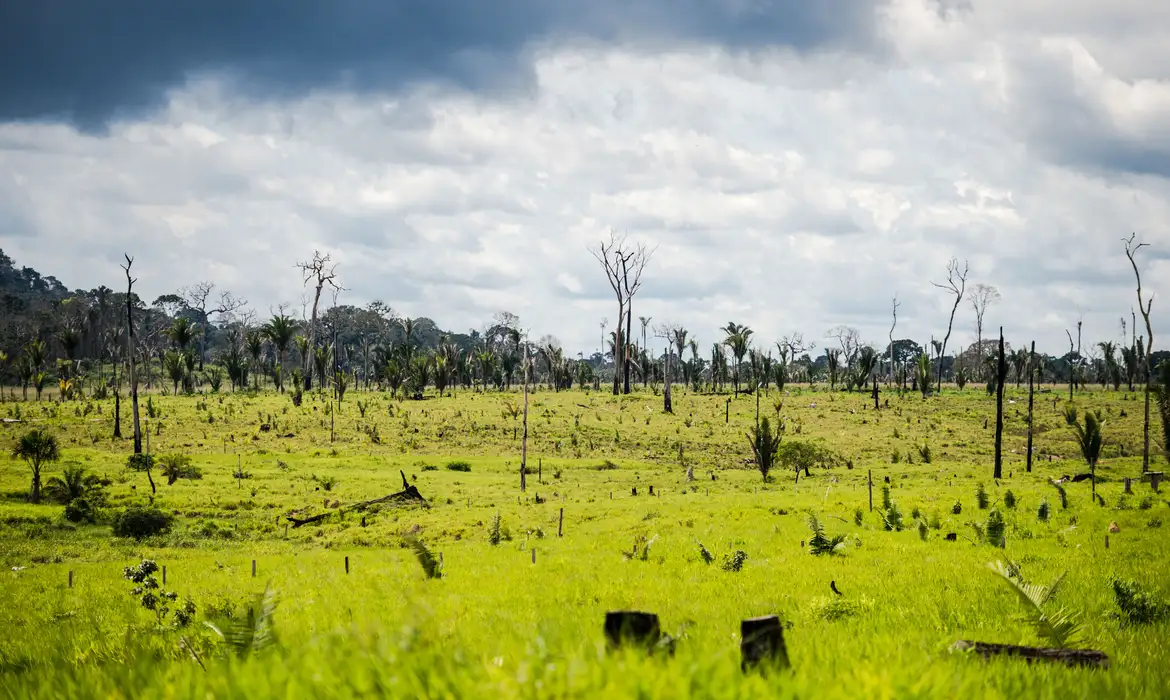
(1031,396)
(1000,375)
(130,355)
(892,327)
(618,353)
(666,405)
(524,440)
(117,405)
(629,329)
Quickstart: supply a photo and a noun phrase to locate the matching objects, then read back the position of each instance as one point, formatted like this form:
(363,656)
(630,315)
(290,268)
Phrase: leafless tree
(526,364)
(196,296)
(624,264)
(320,271)
(1144,306)
(893,325)
(982,297)
(130,353)
(956,284)
(674,334)
(849,339)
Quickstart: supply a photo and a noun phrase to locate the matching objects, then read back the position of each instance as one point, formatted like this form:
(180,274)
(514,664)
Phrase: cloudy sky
(796,164)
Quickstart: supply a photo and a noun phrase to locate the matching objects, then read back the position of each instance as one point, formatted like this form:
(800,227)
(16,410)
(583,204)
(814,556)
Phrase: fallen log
(409,493)
(1068,657)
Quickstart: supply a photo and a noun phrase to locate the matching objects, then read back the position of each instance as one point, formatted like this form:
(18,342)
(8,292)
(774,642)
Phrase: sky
(795,166)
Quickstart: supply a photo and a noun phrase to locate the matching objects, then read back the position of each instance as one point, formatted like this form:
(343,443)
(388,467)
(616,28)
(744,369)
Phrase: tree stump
(1155,479)
(631,627)
(762,643)
(634,491)
(1128,485)
(1068,657)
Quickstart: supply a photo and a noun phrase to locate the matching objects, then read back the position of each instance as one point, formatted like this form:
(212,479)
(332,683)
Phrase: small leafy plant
(1059,628)
(152,596)
(822,543)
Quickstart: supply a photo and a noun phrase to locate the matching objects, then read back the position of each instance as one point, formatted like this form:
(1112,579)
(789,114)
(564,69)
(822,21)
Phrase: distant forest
(198,337)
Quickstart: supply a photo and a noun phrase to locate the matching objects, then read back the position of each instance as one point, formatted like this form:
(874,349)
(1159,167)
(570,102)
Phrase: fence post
(871,490)
(561,524)
(253,568)
(347,564)
(71,578)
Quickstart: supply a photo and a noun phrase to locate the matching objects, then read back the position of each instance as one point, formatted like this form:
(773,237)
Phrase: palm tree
(174,366)
(442,367)
(738,340)
(833,361)
(865,363)
(280,331)
(1019,364)
(37,447)
(181,333)
(1112,369)
(75,483)
(1088,439)
(922,375)
(678,336)
(765,445)
(254,342)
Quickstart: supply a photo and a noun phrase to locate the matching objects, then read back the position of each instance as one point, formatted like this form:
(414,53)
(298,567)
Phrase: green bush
(139,522)
(458,466)
(80,510)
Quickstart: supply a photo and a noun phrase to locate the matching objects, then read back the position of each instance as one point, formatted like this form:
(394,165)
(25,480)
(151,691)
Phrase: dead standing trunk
(130,355)
(1031,396)
(1000,375)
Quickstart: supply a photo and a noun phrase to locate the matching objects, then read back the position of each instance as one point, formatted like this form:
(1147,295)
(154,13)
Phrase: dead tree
(1031,396)
(408,494)
(673,334)
(893,325)
(1000,376)
(130,353)
(195,297)
(956,284)
(623,265)
(1072,368)
(1144,306)
(982,296)
(320,271)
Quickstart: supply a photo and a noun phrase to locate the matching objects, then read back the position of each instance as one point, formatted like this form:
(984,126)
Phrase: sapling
(154,598)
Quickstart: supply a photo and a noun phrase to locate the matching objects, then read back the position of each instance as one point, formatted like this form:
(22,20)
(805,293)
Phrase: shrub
(458,466)
(734,561)
(1137,606)
(1009,500)
(80,510)
(957,509)
(1043,511)
(995,529)
(139,522)
(893,517)
(981,497)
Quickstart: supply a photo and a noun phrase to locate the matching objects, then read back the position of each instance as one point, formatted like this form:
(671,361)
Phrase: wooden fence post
(164,573)
(534,555)
(561,524)
(253,568)
(347,564)
(71,578)
(871,490)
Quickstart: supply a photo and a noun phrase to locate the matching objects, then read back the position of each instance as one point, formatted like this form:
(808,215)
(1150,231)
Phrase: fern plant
(1059,628)
(820,542)
(705,553)
(495,535)
(255,631)
(996,527)
(981,497)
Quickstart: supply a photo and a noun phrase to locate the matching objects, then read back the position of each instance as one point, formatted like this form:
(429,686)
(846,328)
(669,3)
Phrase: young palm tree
(175,368)
(1020,365)
(73,484)
(254,342)
(833,362)
(923,374)
(280,331)
(37,448)
(1088,439)
(1112,369)
(765,445)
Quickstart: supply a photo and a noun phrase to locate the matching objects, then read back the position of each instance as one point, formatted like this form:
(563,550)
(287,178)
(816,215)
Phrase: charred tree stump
(631,628)
(762,643)
(1068,657)
(408,494)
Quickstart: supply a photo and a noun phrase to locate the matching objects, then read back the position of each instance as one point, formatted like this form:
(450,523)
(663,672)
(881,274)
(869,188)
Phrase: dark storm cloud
(88,61)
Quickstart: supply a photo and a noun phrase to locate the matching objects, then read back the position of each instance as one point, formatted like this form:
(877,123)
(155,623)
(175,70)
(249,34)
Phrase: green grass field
(499,625)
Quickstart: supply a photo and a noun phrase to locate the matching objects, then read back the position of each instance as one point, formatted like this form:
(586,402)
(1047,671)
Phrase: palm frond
(1059,628)
(431,566)
(252,633)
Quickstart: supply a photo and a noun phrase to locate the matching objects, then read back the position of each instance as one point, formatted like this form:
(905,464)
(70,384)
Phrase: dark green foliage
(1009,500)
(885,498)
(431,566)
(140,462)
(1137,605)
(494,534)
(858,516)
(705,553)
(892,518)
(177,466)
(139,522)
(765,445)
(152,596)
(458,466)
(957,509)
(820,542)
(73,484)
(801,455)
(734,561)
(36,447)
(981,497)
(80,510)
(1043,512)
(995,529)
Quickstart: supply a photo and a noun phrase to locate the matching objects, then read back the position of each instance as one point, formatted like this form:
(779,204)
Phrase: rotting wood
(408,494)
(1068,657)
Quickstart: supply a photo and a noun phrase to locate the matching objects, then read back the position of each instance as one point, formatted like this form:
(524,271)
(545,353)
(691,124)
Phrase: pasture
(518,609)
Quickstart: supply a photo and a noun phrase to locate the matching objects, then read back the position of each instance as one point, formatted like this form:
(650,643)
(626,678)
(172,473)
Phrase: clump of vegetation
(177,466)
(838,608)
(1138,606)
(886,498)
(923,530)
(1044,511)
(820,542)
(981,498)
(152,596)
(858,516)
(734,562)
(431,566)
(641,549)
(458,466)
(495,533)
(705,553)
(765,446)
(1059,628)
(925,453)
(995,529)
(892,518)
(1009,500)
(802,455)
(957,509)
(140,522)
(325,482)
